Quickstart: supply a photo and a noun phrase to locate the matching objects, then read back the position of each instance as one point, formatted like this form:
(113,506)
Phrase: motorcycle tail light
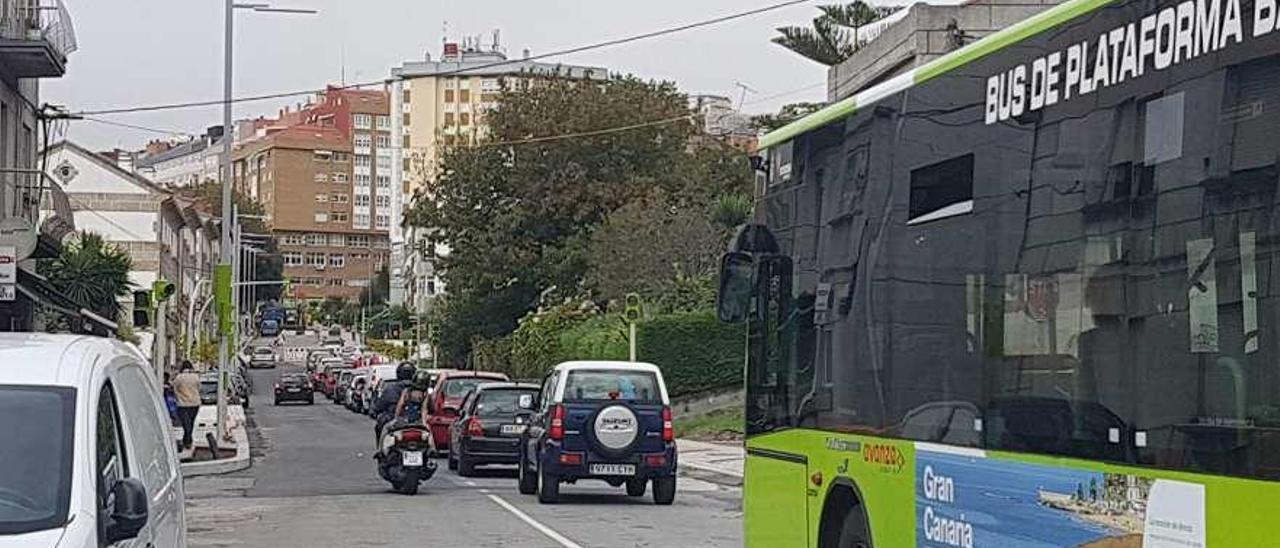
(411,435)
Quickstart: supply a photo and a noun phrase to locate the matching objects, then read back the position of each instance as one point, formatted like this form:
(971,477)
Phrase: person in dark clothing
(384,405)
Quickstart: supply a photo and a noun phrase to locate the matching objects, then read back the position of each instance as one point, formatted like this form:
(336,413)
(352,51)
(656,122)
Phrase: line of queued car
(596,420)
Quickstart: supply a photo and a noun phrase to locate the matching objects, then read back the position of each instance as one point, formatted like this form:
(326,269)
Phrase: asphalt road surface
(313,484)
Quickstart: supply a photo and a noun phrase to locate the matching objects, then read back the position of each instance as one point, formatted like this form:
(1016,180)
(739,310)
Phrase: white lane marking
(471,483)
(549,532)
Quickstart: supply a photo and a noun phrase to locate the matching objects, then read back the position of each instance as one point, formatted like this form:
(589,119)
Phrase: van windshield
(35,480)
(634,386)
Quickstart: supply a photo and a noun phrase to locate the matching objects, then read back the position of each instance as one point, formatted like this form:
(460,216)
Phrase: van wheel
(635,487)
(548,487)
(664,490)
(527,483)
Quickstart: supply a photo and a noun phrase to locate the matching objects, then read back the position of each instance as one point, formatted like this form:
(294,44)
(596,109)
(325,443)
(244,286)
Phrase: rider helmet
(405,372)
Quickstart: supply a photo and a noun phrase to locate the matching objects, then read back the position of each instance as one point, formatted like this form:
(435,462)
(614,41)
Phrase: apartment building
(183,164)
(436,103)
(326,186)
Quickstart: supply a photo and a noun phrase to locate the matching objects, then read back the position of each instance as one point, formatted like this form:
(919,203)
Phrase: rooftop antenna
(497,40)
(742,97)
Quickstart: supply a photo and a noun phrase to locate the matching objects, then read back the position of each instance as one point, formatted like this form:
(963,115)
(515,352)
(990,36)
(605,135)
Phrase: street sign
(8,272)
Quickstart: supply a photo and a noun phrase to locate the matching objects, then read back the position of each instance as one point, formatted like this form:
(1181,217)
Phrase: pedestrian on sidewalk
(171,400)
(186,386)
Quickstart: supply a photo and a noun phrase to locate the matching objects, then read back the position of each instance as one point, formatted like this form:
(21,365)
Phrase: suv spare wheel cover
(616,427)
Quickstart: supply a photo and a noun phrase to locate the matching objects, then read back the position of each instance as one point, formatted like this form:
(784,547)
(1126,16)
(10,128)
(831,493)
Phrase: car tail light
(668,432)
(570,458)
(474,428)
(277,386)
(655,461)
(556,432)
(412,434)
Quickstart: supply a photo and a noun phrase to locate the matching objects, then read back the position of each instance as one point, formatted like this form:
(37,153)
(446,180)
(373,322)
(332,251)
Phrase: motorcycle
(405,456)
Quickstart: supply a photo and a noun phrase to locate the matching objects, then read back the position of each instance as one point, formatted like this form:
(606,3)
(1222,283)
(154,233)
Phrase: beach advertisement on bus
(966,499)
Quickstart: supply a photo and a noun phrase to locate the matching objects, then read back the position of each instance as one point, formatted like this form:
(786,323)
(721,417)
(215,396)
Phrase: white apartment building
(434,103)
(185,164)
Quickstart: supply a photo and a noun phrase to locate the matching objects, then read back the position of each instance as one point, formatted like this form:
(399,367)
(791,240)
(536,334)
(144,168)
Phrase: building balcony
(36,36)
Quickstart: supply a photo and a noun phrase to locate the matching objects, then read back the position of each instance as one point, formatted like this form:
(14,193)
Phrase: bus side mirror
(733,299)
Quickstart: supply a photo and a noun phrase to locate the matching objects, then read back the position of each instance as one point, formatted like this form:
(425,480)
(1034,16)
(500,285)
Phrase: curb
(711,474)
(239,462)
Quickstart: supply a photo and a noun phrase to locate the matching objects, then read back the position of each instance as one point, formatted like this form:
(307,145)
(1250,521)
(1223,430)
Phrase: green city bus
(1027,294)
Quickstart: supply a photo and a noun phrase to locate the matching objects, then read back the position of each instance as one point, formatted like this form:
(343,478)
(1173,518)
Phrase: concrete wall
(926,33)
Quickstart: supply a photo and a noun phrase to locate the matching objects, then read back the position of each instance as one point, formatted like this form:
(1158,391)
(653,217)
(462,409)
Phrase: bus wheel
(853,532)
(844,520)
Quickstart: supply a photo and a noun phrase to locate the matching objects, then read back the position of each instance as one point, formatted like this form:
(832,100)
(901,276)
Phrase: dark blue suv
(607,421)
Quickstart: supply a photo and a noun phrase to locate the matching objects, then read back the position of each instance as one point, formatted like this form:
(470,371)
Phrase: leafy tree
(787,114)
(91,273)
(378,291)
(331,309)
(268,265)
(833,36)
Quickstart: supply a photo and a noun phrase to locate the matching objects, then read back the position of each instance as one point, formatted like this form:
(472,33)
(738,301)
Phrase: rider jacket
(385,404)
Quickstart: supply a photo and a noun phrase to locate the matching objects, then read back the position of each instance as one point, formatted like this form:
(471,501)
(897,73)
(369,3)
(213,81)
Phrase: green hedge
(695,351)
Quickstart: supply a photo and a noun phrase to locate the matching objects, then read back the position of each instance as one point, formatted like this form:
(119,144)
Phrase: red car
(450,388)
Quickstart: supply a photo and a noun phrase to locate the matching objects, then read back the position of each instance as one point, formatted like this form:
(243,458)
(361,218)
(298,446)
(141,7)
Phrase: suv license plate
(513,429)
(412,458)
(613,469)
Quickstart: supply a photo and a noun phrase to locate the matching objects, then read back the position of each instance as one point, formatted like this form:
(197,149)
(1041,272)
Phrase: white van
(88,456)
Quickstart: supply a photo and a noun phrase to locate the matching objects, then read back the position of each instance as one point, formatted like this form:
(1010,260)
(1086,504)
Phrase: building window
(361,220)
(431,287)
(341,198)
(406,143)
(363,121)
(490,84)
(323,155)
(322,216)
(315,259)
(362,160)
(316,239)
(338,216)
(404,95)
(357,240)
(464,96)
(384,121)
(293,259)
(322,198)
(464,119)
(362,180)
(362,200)
(448,118)
(448,96)
(383,201)
(383,221)
(384,140)
(337,260)
(337,240)
(335,282)
(406,119)
(341,157)
(295,238)
(450,83)
(384,164)
(384,182)
(362,140)
(339,177)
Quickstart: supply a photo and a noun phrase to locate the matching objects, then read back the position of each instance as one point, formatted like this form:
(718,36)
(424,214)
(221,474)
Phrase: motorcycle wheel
(410,484)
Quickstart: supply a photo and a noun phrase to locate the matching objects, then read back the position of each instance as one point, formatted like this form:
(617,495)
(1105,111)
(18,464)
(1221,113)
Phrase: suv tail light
(556,432)
(668,432)
(474,428)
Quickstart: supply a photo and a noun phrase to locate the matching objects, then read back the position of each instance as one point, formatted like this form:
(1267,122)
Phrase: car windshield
(637,386)
(501,401)
(36,424)
(457,388)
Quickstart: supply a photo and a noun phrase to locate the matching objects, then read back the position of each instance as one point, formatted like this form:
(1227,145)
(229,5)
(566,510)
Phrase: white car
(88,456)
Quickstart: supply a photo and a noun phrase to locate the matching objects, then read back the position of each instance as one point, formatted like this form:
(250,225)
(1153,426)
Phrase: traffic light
(161,290)
(141,309)
(632,311)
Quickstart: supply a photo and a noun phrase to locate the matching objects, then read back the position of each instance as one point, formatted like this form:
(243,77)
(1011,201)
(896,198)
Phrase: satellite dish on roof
(19,233)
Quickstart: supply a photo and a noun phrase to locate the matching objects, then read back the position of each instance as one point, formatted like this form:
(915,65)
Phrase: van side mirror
(127,510)
(733,299)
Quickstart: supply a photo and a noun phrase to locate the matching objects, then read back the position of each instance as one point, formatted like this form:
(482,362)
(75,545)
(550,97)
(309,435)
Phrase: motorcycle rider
(384,405)
(412,400)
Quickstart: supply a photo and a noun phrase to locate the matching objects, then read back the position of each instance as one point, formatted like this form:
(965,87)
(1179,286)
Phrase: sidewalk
(206,423)
(716,462)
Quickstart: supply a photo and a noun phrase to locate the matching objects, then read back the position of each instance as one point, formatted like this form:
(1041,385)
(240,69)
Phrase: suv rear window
(637,386)
(37,426)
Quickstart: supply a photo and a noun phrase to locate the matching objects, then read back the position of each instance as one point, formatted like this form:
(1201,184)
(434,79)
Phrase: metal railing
(46,20)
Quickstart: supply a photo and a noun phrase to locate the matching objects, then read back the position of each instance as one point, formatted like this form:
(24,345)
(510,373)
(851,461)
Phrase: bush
(695,351)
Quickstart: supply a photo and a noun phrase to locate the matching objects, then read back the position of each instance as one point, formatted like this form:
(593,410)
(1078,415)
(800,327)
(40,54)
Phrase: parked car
(324,372)
(489,426)
(294,387)
(269,328)
(72,408)
(601,420)
(263,357)
(332,375)
(343,386)
(209,390)
(445,399)
(373,382)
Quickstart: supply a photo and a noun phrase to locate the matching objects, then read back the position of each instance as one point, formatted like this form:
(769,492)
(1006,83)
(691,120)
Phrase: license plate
(412,458)
(513,429)
(295,389)
(613,469)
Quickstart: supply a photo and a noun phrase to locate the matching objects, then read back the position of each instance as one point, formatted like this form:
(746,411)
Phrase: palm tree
(91,273)
(833,37)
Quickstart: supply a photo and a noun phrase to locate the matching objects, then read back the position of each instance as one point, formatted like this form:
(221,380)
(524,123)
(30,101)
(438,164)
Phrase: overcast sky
(140,52)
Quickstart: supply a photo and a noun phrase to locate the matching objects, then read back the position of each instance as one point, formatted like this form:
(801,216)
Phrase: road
(313,483)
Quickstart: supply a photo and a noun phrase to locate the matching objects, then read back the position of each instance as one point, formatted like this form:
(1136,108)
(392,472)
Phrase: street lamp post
(224,272)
